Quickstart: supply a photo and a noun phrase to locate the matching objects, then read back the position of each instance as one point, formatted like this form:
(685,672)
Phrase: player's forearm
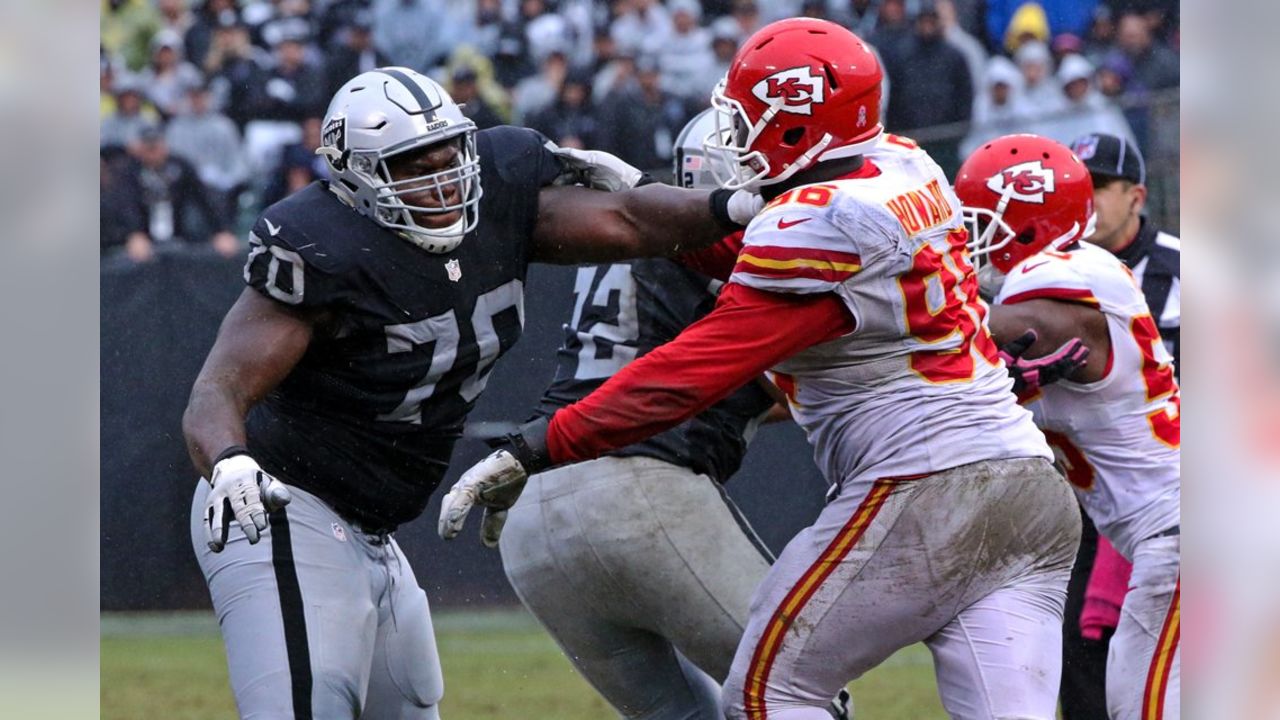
(213,422)
(666,221)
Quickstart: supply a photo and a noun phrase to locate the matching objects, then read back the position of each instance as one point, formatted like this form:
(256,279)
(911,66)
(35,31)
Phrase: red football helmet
(799,91)
(1023,194)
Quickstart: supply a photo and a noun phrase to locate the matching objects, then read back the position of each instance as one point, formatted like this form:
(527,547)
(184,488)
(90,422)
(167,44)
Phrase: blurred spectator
(288,18)
(175,15)
(169,75)
(1065,44)
(121,223)
(639,123)
(724,45)
(1000,109)
(1015,21)
(514,60)
(642,27)
(618,75)
(210,141)
(294,90)
(1086,109)
(353,54)
(861,17)
(1114,77)
(545,32)
(746,13)
(170,196)
(1043,93)
(893,32)
(1101,35)
(338,15)
(122,126)
(931,86)
(464,88)
(1155,66)
(199,37)
(536,92)
(570,121)
(409,32)
(299,165)
(235,68)
(685,60)
(126,28)
(975,54)
(484,27)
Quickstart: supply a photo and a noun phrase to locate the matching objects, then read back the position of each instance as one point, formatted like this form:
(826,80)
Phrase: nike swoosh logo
(271,228)
(1028,268)
(783,224)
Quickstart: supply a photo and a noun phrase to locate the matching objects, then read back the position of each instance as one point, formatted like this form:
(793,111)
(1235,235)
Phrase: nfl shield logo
(454,269)
(1086,147)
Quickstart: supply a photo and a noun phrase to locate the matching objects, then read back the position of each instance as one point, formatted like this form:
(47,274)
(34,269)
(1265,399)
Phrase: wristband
(230,452)
(719,202)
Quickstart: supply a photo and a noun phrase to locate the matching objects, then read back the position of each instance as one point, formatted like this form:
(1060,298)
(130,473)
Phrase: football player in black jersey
(340,379)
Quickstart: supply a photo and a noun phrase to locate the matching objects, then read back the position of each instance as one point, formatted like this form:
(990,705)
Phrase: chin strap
(441,240)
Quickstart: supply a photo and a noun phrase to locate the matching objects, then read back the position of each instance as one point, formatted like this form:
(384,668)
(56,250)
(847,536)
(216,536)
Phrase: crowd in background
(211,109)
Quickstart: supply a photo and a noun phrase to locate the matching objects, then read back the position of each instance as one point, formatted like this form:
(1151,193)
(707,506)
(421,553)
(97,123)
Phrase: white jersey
(917,386)
(1118,438)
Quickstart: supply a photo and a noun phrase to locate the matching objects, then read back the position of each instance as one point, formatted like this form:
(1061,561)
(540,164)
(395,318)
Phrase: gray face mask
(990,280)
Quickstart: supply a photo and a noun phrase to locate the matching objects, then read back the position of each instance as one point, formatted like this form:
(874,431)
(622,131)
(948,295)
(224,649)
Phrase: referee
(1119,196)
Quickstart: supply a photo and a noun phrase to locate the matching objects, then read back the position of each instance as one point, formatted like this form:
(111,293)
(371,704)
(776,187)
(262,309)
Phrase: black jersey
(624,310)
(368,418)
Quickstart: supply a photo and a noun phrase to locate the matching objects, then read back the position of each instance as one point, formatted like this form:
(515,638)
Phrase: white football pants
(972,561)
(1144,667)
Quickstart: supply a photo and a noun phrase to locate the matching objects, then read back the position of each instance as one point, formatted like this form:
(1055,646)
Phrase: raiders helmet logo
(333,140)
(1028,182)
(798,89)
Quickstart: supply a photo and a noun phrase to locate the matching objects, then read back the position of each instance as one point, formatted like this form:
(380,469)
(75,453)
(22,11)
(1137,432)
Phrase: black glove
(1030,374)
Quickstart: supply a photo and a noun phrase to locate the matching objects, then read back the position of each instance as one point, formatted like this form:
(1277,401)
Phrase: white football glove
(595,168)
(241,489)
(495,483)
(743,206)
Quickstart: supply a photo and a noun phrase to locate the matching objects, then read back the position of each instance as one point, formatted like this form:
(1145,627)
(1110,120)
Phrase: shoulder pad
(519,155)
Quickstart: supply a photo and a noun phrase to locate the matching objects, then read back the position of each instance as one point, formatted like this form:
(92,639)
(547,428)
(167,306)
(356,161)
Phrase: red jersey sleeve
(715,261)
(748,332)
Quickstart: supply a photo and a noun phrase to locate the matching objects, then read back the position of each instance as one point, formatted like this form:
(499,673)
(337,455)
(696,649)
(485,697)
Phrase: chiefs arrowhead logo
(798,89)
(1028,182)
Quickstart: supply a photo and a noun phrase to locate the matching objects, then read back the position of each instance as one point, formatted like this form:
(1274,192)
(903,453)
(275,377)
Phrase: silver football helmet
(695,166)
(392,110)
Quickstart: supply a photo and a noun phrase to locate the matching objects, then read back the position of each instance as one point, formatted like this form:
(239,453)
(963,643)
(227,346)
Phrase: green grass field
(497,664)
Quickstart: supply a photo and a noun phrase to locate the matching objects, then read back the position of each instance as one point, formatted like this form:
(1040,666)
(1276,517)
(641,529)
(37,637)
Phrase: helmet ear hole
(1026,237)
(793,136)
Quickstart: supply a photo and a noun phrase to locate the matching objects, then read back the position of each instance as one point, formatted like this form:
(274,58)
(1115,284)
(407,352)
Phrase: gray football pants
(642,571)
(320,620)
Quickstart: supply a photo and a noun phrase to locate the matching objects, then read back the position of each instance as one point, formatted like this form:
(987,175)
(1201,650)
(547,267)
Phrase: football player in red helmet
(1114,425)
(799,92)
(946,522)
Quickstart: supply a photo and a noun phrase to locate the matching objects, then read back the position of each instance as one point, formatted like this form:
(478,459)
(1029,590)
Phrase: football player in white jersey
(1114,425)
(946,522)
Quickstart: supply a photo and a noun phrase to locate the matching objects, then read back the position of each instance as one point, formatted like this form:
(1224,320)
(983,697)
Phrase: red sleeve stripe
(1077,295)
(787,265)
(780,252)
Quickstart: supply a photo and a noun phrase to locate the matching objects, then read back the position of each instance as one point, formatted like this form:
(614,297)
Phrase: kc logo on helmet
(1028,182)
(798,89)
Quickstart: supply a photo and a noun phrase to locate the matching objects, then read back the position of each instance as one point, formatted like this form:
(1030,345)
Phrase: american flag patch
(692,162)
